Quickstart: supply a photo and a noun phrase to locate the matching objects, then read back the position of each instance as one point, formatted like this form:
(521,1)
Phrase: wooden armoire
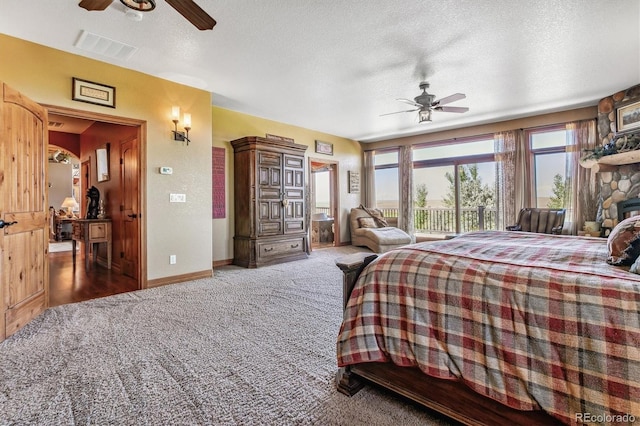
(270,201)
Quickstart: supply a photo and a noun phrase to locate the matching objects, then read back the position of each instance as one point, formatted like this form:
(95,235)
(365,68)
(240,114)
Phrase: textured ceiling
(336,65)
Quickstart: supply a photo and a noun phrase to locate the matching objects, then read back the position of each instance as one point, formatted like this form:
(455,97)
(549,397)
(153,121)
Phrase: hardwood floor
(69,283)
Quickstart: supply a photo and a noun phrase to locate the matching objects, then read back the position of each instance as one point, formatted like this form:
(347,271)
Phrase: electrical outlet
(172,259)
(177,198)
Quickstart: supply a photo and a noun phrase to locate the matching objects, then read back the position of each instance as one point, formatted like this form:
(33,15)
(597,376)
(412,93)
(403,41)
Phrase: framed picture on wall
(628,117)
(354,182)
(324,147)
(93,93)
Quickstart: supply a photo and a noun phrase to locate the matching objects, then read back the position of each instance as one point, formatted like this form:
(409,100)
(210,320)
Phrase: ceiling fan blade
(451,109)
(399,112)
(193,13)
(95,4)
(410,102)
(449,99)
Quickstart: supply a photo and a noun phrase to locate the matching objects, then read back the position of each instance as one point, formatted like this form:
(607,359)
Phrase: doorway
(325,223)
(69,281)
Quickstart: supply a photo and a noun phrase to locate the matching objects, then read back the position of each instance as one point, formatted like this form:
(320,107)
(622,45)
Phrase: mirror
(102,163)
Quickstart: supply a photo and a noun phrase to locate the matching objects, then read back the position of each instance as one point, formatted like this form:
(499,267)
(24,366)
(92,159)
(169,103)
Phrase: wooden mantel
(608,162)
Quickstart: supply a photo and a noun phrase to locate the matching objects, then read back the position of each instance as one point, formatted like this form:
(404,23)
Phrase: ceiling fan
(187,8)
(425,103)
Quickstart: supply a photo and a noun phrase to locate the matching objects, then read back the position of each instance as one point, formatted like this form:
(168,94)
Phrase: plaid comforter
(531,320)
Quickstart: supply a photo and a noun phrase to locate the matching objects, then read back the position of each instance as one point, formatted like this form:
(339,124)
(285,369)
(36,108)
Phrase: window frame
(455,162)
(532,153)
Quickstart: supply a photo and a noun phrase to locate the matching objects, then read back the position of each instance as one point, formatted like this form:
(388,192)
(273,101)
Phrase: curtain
(405,171)
(369,179)
(512,166)
(582,196)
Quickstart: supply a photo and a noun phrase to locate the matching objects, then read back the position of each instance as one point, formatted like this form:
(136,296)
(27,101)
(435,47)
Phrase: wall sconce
(175,117)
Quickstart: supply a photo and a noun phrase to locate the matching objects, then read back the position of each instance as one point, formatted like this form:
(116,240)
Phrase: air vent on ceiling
(104,46)
(55,124)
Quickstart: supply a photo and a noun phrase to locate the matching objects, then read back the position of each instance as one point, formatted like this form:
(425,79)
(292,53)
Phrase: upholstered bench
(366,232)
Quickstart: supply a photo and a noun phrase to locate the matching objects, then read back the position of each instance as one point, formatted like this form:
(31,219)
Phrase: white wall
(60,182)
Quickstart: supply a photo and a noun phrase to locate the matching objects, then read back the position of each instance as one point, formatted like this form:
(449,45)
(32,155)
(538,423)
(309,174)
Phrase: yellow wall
(44,75)
(229,125)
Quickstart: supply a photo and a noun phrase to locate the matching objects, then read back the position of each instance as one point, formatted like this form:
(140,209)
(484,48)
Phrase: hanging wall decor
(218,181)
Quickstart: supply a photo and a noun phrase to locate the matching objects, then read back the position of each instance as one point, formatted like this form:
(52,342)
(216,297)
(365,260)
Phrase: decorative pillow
(623,242)
(377,215)
(367,222)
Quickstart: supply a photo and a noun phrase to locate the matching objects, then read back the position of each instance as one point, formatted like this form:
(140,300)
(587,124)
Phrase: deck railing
(443,220)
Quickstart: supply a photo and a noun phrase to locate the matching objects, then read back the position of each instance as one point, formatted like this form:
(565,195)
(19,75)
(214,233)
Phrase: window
(387,183)
(548,151)
(455,187)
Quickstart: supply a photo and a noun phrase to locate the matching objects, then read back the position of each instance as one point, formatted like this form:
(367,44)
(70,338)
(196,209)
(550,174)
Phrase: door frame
(335,194)
(141,126)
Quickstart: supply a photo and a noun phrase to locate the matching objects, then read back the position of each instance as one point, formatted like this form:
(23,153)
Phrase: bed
(496,327)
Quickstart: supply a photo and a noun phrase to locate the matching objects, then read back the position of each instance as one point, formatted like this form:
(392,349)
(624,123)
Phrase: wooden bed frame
(451,398)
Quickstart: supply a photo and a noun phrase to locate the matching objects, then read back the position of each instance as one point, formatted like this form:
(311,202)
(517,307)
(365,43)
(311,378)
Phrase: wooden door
(293,189)
(24,274)
(130,207)
(269,193)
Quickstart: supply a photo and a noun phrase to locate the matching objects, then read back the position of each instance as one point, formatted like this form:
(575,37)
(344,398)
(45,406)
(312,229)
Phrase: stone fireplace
(617,183)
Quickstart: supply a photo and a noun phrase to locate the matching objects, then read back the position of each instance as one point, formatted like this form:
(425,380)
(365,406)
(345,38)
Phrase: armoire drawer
(282,248)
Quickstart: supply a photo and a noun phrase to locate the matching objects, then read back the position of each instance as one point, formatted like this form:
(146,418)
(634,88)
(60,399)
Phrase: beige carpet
(245,347)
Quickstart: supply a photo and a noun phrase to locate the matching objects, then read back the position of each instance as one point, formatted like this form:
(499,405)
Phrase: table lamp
(70,204)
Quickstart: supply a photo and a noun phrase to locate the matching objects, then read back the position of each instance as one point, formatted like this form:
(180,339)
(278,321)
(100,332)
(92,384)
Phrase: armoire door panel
(288,177)
(266,227)
(269,159)
(268,193)
(294,194)
(263,210)
(263,176)
(275,177)
(298,178)
(276,210)
(291,226)
(293,161)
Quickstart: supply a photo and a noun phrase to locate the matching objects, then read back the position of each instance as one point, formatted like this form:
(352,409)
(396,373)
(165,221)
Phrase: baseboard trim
(219,263)
(179,278)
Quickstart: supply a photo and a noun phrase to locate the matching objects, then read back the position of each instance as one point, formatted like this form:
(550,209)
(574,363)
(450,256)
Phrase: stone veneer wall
(618,185)
(623,182)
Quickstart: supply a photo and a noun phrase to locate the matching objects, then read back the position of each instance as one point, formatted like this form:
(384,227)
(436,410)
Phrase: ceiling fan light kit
(424,103)
(424,115)
(187,8)
(140,5)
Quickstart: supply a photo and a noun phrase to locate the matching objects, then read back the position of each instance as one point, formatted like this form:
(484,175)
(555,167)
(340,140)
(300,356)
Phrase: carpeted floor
(245,347)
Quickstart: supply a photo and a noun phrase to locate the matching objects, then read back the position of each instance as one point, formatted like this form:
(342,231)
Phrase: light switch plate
(164,170)
(177,198)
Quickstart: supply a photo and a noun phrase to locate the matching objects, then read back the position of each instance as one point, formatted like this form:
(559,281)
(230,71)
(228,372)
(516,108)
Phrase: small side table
(92,232)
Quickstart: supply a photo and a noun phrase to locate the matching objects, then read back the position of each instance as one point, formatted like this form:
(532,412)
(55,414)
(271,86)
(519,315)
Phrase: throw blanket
(531,320)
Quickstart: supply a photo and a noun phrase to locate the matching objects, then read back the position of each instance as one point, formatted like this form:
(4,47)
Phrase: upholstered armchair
(542,221)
